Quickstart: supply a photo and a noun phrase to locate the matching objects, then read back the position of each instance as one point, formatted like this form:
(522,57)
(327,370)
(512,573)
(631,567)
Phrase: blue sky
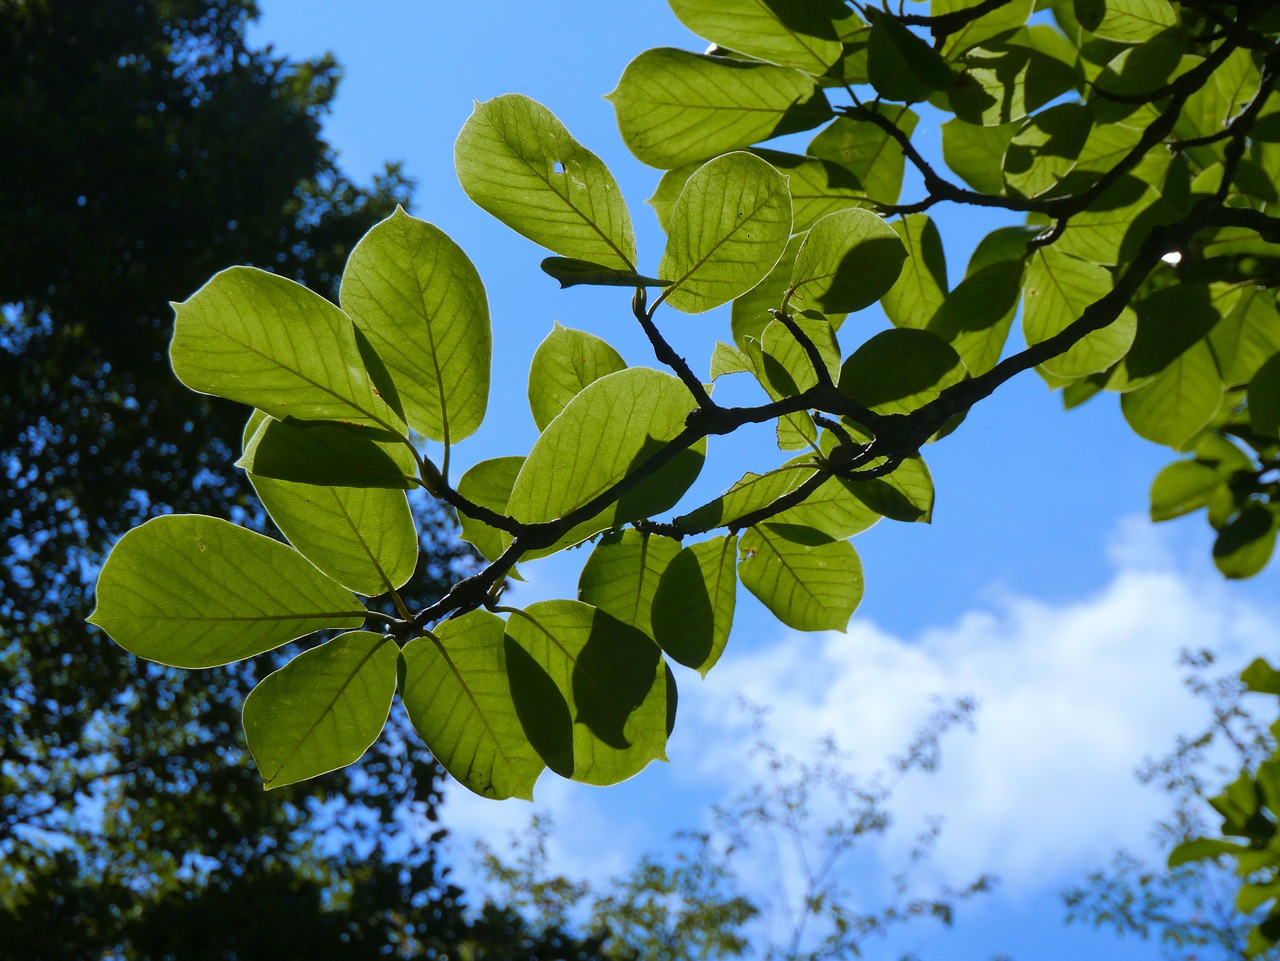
(1039,588)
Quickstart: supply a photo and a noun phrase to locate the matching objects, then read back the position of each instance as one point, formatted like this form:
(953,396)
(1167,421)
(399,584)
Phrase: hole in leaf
(559,167)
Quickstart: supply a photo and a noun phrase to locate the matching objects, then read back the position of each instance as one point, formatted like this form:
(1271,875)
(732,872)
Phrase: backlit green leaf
(975,317)
(899,370)
(1001,20)
(1045,148)
(676,107)
(1182,487)
(901,65)
(750,494)
(323,709)
(849,260)
(786,368)
(1246,543)
(1179,401)
(605,433)
(575,273)
(727,230)
(797,33)
(750,313)
(621,575)
(871,154)
(1058,288)
(1126,21)
(1264,399)
(194,591)
(488,484)
(591,692)
(694,603)
(265,341)
(818,186)
(977,153)
(456,691)
(517,161)
(330,455)
(1003,82)
(809,581)
(922,285)
(562,365)
(418,298)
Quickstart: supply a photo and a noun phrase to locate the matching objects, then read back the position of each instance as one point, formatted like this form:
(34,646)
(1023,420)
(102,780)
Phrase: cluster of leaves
(1250,811)
(1129,133)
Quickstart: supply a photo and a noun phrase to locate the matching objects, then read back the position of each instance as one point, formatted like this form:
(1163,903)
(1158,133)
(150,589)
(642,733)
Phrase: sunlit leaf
(328,454)
(604,434)
(488,484)
(418,298)
(900,64)
(797,33)
(265,341)
(323,709)
(194,591)
(1057,290)
(728,228)
(621,575)
(567,361)
(809,581)
(455,688)
(1126,21)
(1001,20)
(575,273)
(870,153)
(694,603)
(922,285)
(848,261)
(517,161)
(591,692)
(1264,399)
(899,370)
(676,107)
(1179,401)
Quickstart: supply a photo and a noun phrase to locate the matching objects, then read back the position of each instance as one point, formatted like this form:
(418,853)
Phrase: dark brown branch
(808,346)
(665,353)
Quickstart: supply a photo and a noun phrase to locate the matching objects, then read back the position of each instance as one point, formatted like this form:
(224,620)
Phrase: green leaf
(693,605)
(1179,401)
(1260,677)
(1199,849)
(1182,487)
(1246,543)
(1223,94)
(591,692)
(922,285)
(1001,20)
(750,314)
(818,187)
(676,107)
(1264,399)
(796,33)
(621,575)
(785,366)
(849,260)
(726,359)
(193,591)
(809,581)
(905,495)
(901,65)
(1005,81)
(750,494)
(1170,322)
(1058,288)
(455,688)
(975,318)
(323,709)
(869,153)
(518,162)
(574,273)
(604,434)
(727,230)
(900,370)
(567,361)
(977,153)
(419,300)
(1045,148)
(263,340)
(488,484)
(1126,21)
(329,455)
(836,509)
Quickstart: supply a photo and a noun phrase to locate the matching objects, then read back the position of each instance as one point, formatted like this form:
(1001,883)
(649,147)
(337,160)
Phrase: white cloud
(1072,697)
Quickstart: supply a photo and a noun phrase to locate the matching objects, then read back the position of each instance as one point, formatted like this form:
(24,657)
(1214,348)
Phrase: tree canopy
(146,144)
